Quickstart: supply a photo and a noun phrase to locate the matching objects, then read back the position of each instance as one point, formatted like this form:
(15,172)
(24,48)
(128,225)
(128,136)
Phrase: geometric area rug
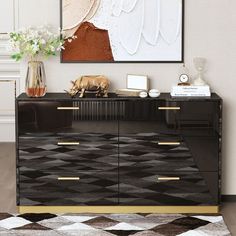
(47,224)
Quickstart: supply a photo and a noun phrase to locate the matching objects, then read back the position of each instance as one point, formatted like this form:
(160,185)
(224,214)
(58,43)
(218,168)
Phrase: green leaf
(17,56)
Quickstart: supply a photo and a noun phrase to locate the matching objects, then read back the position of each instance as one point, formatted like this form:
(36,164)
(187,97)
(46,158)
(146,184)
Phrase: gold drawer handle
(68,178)
(67,108)
(169,143)
(67,143)
(168,108)
(168,178)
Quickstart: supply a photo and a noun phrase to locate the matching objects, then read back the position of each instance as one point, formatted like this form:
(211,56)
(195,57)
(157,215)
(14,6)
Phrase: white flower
(52,48)
(35,48)
(60,48)
(42,41)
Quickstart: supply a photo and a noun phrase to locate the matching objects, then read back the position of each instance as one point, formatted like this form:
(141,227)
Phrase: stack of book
(191,91)
(128,92)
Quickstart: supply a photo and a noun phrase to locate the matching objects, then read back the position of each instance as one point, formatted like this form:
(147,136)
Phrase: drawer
(193,117)
(144,187)
(54,188)
(43,116)
(157,152)
(83,151)
(71,116)
(186,118)
(141,110)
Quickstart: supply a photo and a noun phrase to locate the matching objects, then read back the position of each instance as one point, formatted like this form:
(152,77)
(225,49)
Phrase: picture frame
(165,52)
(137,82)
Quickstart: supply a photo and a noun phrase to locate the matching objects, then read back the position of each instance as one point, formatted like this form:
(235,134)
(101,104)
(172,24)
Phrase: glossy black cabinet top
(113,96)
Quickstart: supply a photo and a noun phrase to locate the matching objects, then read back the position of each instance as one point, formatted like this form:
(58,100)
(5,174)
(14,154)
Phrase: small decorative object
(34,44)
(184,78)
(143,94)
(35,83)
(199,64)
(191,91)
(140,82)
(128,92)
(95,83)
(135,84)
(154,93)
(198,89)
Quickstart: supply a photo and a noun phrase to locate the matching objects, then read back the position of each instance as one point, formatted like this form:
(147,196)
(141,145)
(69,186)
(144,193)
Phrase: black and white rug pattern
(47,224)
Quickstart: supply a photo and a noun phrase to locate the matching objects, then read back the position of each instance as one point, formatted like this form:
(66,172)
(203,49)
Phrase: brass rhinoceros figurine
(99,83)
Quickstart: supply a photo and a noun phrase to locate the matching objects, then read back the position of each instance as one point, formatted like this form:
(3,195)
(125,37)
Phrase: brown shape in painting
(91,44)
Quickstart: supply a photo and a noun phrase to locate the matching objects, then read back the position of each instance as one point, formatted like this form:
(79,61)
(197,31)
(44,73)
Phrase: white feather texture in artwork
(117,7)
(139,30)
(147,20)
(151,27)
(170,20)
(129,5)
(130,28)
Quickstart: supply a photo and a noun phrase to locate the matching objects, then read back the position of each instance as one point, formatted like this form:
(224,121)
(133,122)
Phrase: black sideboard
(119,152)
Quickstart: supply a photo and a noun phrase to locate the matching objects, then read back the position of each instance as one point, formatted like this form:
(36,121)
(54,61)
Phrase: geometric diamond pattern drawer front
(94,152)
(82,188)
(145,187)
(142,150)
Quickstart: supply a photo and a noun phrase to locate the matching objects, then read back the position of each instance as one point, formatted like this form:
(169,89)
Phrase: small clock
(184,78)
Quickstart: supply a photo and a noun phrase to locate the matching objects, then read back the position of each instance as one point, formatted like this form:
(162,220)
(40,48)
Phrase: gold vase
(35,84)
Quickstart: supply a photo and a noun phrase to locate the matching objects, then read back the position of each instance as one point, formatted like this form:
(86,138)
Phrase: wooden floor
(229,213)
(8,187)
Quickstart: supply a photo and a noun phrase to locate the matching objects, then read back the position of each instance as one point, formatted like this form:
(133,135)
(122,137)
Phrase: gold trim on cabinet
(67,143)
(68,178)
(120,209)
(67,108)
(168,108)
(168,178)
(169,143)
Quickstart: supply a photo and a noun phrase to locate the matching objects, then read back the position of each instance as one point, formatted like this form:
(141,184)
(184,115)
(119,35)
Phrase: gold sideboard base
(119,209)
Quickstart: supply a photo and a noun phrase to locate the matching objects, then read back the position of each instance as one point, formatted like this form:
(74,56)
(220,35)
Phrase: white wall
(9,73)
(210,31)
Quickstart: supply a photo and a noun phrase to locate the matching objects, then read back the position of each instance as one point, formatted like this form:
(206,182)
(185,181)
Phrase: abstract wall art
(123,30)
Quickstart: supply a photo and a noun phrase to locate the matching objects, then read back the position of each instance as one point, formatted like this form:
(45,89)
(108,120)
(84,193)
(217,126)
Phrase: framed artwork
(123,30)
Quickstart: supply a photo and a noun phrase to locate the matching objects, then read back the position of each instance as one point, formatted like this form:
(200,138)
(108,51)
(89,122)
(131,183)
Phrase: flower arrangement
(37,42)
(34,44)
